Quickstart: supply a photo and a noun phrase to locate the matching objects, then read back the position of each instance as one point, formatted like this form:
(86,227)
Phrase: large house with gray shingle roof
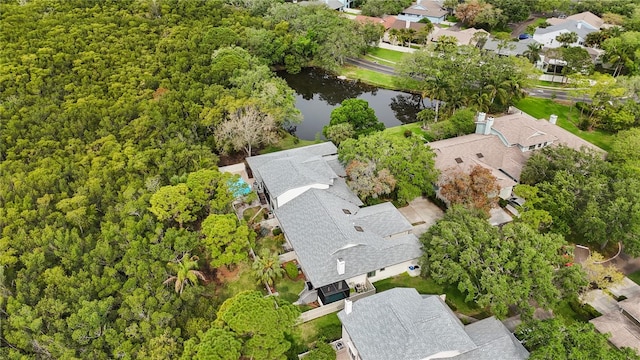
(402,324)
(547,36)
(339,245)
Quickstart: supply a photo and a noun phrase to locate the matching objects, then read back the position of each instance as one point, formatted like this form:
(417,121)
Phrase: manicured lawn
(539,21)
(567,116)
(429,286)
(251,212)
(635,277)
(287,142)
(289,289)
(389,56)
(399,130)
(328,327)
(369,77)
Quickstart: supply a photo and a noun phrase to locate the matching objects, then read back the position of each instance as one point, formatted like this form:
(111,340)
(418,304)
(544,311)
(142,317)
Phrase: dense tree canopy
(406,159)
(554,339)
(588,199)
(495,267)
(105,106)
(358,114)
(462,76)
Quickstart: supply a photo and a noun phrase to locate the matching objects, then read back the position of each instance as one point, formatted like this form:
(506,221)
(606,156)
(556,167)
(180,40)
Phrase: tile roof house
(464,37)
(622,325)
(503,145)
(588,17)
(339,244)
(402,324)
(547,36)
(422,9)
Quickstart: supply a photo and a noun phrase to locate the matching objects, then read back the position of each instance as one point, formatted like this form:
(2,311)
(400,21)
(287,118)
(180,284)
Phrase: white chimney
(348,306)
(480,123)
(553,119)
(341,266)
(487,128)
(579,26)
(407,24)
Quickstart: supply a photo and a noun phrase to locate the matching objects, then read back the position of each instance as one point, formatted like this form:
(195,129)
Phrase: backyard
(567,118)
(455,299)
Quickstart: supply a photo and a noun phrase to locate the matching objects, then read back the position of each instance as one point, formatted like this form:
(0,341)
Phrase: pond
(318,93)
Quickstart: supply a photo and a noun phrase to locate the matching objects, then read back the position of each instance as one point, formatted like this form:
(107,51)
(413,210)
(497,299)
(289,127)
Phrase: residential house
(463,37)
(502,145)
(339,245)
(424,9)
(588,17)
(622,325)
(508,48)
(402,324)
(283,175)
(339,5)
(547,36)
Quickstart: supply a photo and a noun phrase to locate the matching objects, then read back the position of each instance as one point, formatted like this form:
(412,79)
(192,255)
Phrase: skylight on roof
(459,160)
(359,228)
(479,155)
(346,211)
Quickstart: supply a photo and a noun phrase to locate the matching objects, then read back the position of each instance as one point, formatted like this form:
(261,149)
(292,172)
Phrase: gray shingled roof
(569,26)
(382,219)
(494,341)
(402,324)
(519,47)
(315,164)
(321,232)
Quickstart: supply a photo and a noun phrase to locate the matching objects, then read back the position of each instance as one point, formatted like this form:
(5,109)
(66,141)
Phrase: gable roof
(426,8)
(368,19)
(500,150)
(575,26)
(402,324)
(519,47)
(588,17)
(315,164)
(463,36)
(321,232)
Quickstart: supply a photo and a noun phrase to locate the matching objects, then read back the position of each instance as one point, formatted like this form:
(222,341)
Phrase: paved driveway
(421,213)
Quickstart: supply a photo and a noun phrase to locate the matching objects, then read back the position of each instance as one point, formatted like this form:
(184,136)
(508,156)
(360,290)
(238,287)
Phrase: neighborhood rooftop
(402,324)
(322,232)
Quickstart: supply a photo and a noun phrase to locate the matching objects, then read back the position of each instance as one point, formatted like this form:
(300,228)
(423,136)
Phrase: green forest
(113,215)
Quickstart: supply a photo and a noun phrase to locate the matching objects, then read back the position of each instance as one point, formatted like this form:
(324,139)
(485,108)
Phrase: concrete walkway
(626,288)
(384,45)
(600,301)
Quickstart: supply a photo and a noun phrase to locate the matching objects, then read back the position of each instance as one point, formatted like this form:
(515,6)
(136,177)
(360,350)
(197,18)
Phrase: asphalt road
(536,92)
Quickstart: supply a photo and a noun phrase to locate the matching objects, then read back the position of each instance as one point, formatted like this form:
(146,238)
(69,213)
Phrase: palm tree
(267,267)
(533,52)
(435,89)
(185,272)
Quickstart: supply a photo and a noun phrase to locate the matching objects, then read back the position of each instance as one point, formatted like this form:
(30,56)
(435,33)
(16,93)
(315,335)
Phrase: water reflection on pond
(318,93)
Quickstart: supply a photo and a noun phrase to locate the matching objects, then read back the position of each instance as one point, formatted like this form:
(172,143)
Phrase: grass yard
(399,130)
(289,289)
(369,77)
(429,286)
(567,116)
(273,243)
(635,277)
(327,327)
(287,142)
(243,280)
(390,57)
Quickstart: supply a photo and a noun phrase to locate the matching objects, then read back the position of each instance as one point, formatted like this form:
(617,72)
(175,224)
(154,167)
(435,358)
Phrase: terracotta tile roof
(368,19)
(389,21)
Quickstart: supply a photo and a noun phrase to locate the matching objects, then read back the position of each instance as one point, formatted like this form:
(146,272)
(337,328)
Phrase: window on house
(459,160)
(346,211)
(382,269)
(532,147)
(371,274)
(358,228)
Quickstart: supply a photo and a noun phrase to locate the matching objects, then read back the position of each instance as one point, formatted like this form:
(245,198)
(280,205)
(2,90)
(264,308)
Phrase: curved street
(545,93)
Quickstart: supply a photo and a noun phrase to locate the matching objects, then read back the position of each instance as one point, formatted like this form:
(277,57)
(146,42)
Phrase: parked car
(524,36)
